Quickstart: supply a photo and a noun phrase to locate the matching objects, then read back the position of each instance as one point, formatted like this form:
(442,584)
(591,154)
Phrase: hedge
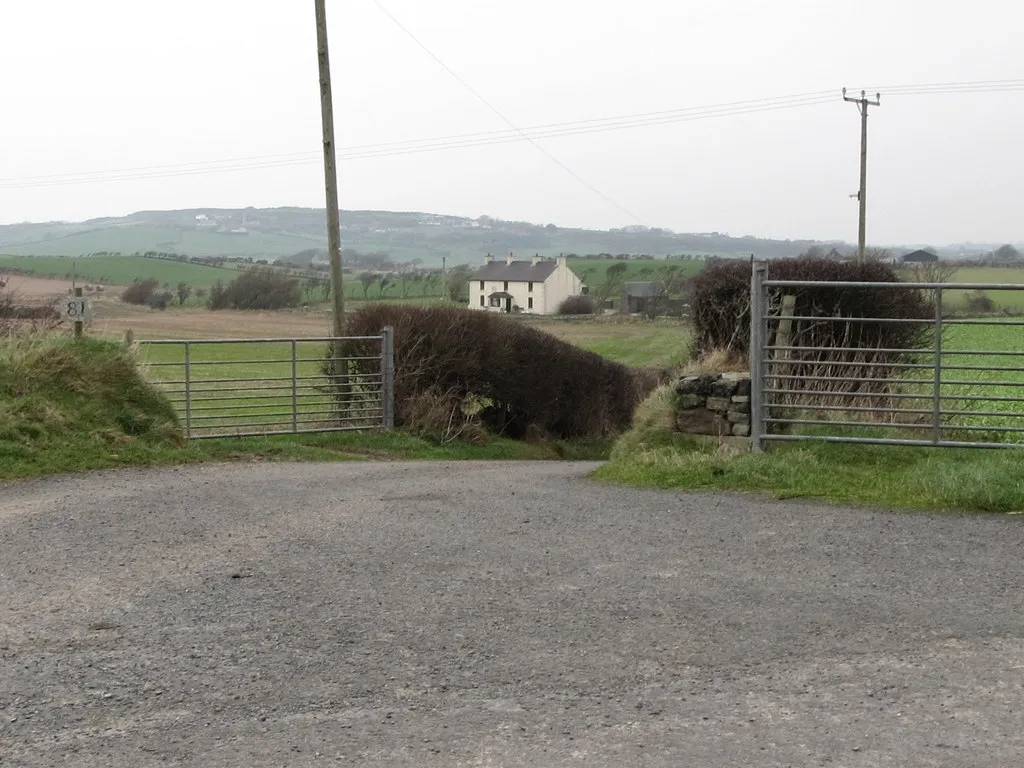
(532,380)
(721,305)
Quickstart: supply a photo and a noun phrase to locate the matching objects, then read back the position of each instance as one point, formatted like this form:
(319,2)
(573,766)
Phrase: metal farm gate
(960,385)
(255,387)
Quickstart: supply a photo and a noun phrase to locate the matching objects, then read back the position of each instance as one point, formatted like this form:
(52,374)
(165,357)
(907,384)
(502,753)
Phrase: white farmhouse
(535,287)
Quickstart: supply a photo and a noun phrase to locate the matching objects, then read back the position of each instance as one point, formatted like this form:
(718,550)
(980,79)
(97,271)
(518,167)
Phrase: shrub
(257,288)
(19,318)
(979,303)
(160,300)
(527,379)
(721,306)
(578,305)
(218,296)
(139,292)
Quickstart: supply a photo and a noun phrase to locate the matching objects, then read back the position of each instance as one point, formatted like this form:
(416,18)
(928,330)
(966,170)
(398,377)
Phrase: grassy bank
(652,455)
(64,402)
(877,476)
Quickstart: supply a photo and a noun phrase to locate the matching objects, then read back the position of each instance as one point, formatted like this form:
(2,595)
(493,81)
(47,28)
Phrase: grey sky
(124,84)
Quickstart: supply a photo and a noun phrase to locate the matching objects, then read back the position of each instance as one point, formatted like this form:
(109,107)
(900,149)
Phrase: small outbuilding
(919,257)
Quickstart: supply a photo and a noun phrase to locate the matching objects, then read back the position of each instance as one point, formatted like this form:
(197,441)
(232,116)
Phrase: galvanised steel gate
(255,387)
(962,387)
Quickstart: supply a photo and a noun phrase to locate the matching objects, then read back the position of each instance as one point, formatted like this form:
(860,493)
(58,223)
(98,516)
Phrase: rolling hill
(275,233)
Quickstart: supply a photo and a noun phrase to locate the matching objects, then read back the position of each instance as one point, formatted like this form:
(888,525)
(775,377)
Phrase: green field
(251,387)
(982,392)
(988,382)
(594,271)
(1011,301)
(193,242)
(638,343)
(117,270)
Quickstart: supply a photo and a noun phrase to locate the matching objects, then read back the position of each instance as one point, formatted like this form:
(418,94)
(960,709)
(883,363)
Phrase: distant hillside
(281,232)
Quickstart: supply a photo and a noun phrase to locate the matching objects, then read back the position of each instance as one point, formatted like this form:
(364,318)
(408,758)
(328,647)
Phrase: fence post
(784,337)
(388,375)
(937,387)
(188,390)
(757,342)
(295,387)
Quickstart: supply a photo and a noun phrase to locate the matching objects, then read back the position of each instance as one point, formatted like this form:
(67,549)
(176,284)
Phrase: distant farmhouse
(919,257)
(536,287)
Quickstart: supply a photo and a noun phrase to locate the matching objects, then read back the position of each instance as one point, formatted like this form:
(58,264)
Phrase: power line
(500,114)
(468,139)
(963,86)
(489,138)
(552,130)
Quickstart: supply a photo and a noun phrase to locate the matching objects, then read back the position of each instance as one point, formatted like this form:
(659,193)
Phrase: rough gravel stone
(408,615)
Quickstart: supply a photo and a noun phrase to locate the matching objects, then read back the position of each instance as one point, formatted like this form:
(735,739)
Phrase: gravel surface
(495,614)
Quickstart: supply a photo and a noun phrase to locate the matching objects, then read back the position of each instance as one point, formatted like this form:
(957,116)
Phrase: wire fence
(963,387)
(255,387)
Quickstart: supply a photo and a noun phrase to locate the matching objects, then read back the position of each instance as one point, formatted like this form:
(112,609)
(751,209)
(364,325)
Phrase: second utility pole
(862,104)
(330,172)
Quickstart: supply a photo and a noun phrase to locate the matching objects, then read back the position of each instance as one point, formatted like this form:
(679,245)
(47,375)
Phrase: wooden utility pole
(862,105)
(330,171)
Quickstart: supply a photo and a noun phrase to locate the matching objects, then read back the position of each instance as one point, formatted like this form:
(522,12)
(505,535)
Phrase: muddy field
(36,288)
(117,318)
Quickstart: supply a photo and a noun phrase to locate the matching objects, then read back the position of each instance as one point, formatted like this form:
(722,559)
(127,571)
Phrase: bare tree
(183,293)
(457,280)
(429,282)
(366,279)
(614,280)
(929,272)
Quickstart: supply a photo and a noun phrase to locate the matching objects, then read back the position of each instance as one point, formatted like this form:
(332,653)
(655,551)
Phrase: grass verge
(977,480)
(76,456)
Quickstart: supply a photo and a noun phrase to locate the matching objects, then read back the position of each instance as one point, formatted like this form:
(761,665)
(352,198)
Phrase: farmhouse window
(506,286)
(495,301)
(481,285)
(482,301)
(530,305)
(530,289)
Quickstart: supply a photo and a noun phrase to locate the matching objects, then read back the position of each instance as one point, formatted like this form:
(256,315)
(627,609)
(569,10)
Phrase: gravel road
(495,615)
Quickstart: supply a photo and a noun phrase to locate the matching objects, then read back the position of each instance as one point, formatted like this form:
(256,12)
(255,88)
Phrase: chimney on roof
(488,259)
(561,260)
(508,259)
(536,259)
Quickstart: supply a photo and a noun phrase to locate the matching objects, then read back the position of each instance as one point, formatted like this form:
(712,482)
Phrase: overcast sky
(110,85)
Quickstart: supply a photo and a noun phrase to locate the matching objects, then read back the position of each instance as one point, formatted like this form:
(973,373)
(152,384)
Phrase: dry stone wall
(715,404)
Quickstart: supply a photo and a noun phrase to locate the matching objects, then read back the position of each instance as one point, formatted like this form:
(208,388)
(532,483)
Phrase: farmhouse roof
(920,256)
(517,271)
